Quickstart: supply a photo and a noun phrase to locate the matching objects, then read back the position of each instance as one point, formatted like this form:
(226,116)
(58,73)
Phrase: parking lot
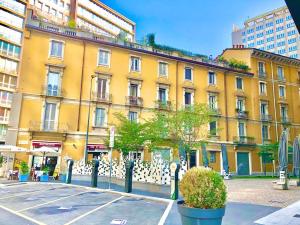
(55,204)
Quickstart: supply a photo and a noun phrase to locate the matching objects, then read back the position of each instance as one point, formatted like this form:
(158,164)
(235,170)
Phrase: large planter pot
(23,177)
(195,216)
(44,178)
(63,178)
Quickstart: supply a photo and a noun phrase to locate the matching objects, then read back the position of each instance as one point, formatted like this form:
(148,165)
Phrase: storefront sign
(96,147)
(51,144)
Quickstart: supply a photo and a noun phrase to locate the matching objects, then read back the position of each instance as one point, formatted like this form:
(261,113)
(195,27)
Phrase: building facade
(251,108)
(12,23)
(90,15)
(273,31)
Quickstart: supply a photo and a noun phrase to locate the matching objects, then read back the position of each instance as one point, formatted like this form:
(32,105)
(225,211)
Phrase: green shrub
(238,64)
(203,188)
(72,24)
(45,170)
(23,168)
(1,160)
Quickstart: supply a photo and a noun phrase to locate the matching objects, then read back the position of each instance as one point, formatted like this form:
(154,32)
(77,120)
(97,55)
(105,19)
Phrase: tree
(268,153)
(132,136)
(186,127)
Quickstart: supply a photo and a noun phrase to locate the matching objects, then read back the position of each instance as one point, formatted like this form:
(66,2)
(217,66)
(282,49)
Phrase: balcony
(262,74)
(48,126)
(285,120)
(241,114)
(134,101)
(164,105)
(244,140)
(281,78)
(102,98)
(215,111)
(4,119)
(52,91)
(265,118)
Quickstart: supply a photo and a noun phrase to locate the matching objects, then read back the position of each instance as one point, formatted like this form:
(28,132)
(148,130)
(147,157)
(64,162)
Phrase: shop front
(97,151)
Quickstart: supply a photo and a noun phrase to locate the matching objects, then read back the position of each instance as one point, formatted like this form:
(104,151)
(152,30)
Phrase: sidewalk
(286,216)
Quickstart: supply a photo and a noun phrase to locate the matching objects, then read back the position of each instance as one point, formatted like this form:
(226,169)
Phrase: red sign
(52,144)
(96,147)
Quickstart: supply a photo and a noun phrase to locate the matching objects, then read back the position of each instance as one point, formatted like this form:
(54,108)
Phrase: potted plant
(23,172)
(204,197)
(45,176)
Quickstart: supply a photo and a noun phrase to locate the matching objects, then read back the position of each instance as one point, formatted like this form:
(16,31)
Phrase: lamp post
(88,122)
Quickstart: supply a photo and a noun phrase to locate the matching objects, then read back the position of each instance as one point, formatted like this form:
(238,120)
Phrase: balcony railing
(100,97)
(265,117)
(281,78)
(4,119)
(285,120)
(134,101)
(241,114)
(48,126)
(163,105)
(262,74)
(52,91)
(244,140)
(215,111)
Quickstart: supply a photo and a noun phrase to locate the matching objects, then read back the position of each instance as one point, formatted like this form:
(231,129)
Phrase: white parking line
(94,210)
(21,215)
(166,213)
(46,203)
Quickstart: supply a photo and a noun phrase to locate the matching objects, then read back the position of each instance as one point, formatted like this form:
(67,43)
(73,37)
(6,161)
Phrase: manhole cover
(297,215)
(118,222)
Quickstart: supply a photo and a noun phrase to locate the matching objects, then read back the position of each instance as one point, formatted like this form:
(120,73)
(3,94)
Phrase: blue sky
(200,26)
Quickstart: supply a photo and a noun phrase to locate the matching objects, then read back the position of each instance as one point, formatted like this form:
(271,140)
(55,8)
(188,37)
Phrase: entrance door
(243,163)
(193,157)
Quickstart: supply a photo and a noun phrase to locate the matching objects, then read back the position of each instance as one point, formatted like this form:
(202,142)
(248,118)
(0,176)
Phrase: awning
(96,147)
(50,144)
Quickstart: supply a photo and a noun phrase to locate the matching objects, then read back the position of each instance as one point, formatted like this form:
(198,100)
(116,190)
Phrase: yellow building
(60,68)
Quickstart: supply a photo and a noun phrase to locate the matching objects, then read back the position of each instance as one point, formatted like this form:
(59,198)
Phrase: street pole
(88,123)
(111,145)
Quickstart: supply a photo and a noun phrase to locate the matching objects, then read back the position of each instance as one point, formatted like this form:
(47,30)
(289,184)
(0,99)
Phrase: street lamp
(88,123)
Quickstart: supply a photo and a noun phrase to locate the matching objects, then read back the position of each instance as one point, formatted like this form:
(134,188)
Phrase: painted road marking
(46,203)
(166,213)
(94,210)
(21,215)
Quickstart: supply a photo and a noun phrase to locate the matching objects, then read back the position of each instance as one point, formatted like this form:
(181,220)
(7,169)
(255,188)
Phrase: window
(100,117)
(263,108)
(49,116)
(56,49)
(102,88)
(7,81)
(53,84)
(133,90)
(5,97)
(212,101)
(104,57)
(281,91)
(187,98)
(213,128)
(135,64)
(280,20)
(212,157)
(9,49)
(163,69)
(211,78)
(262,88)
(241,129)
(239,83)
(240,105)
(261,69)
(280,73)
(265,132)
(283,112)
(162,95)
(188,73)
(132,116)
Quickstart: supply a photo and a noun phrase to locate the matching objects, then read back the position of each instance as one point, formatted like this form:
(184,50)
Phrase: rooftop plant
(203,188)
(234,63)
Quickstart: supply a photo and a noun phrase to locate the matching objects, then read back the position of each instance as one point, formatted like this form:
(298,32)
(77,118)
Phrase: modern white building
(274,31)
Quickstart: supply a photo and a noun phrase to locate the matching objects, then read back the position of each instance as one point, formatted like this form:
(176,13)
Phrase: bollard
(174,167)
(95,167)
(69,173)
(128,178)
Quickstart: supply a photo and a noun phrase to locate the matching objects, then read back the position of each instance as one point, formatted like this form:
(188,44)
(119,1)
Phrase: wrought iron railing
(244,140)
(134,101)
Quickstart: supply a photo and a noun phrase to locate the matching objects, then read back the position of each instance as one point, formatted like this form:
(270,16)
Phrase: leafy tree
(186,127)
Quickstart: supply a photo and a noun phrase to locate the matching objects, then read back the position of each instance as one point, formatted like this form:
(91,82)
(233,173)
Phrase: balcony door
(241,130)
(162,95)
(50,115)
(53,84)
(101,88)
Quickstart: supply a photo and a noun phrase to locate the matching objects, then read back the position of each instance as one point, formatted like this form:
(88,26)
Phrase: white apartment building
(274,31)
(12,20)
(90,15)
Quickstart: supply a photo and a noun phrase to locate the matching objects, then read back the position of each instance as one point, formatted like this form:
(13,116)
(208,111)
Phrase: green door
(243,163)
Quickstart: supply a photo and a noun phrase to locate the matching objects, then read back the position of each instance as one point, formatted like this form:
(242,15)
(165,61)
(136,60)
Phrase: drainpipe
(274,102)
(81,86)
(226,107)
